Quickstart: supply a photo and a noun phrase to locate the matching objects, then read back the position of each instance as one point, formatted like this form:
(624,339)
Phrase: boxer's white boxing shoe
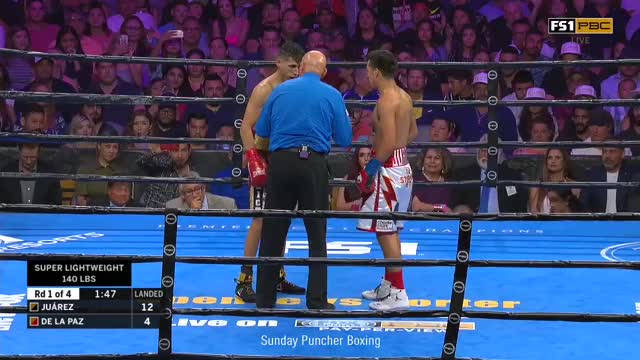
(396,300)
(380,292)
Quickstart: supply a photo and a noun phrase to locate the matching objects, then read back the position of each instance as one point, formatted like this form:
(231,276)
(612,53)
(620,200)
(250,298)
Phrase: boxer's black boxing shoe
(244,288)
(286,287)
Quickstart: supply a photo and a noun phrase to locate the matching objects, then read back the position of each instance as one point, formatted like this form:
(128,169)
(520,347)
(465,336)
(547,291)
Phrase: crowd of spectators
(344,30)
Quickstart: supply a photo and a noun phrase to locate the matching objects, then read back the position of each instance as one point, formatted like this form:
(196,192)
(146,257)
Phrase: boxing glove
(363,184)
(257,168)
(368,175)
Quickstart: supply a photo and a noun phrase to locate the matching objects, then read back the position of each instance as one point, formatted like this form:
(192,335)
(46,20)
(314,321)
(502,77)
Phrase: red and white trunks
(392,190)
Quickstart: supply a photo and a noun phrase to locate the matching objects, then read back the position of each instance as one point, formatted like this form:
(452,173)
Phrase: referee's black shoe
(327,306)
(287,287)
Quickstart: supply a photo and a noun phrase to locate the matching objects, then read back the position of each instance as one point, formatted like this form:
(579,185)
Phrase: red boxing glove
(257,168)
(362,183)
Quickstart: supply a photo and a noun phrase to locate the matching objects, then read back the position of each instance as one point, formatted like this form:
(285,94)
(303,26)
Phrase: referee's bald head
(314,62)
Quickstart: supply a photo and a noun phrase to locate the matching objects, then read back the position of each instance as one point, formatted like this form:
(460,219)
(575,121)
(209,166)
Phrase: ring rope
(99,99)
(333,182)
(218,260)
(346,64)
(317,214)
(185,356)
(412,314)
(171,231)
(43,138)
(82,98)
(569,144)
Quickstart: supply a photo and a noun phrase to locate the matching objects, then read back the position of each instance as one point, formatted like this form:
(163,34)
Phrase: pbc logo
(580,26)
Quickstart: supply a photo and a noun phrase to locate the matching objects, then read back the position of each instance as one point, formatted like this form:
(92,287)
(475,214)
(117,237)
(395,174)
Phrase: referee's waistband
(297,149)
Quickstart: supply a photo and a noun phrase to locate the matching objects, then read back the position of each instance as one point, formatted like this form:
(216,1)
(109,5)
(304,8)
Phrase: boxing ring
(514,290)
(508,286)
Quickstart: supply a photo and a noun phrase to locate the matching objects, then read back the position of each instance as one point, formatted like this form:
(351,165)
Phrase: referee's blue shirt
(305,111)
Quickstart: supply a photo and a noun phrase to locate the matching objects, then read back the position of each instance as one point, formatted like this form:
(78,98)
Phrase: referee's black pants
(293,180)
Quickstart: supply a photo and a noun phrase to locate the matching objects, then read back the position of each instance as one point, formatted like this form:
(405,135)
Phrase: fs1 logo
(580,26)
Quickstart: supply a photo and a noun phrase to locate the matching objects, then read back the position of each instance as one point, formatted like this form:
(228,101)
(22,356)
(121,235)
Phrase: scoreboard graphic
(79,294)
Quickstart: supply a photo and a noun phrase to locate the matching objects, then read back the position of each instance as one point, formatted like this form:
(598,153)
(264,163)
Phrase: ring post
(458,289)
(167,283)
(242,98)
(493,128)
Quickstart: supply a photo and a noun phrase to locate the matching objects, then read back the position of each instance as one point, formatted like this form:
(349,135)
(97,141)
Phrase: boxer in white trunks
(387,181)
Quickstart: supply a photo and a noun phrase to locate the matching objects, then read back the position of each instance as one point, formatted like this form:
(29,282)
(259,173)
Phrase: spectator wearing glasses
(195,197)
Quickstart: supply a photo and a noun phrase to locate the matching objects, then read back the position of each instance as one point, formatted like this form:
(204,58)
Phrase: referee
(300,118)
